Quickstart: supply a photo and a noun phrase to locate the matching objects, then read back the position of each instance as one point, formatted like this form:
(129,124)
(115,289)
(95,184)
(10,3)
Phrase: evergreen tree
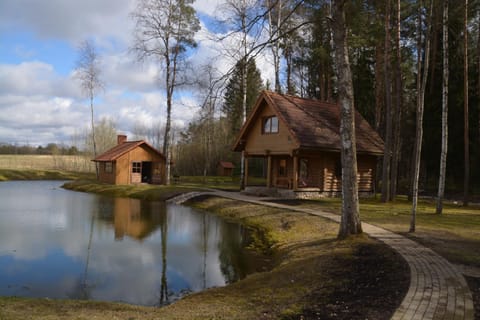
(232,106)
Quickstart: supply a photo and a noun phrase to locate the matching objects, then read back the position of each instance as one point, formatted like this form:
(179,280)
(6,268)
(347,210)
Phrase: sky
(41,101)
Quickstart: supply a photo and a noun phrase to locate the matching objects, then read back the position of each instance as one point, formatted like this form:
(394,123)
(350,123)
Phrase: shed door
(136,176)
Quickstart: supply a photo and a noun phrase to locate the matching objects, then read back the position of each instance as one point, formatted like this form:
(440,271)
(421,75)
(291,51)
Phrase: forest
(397,48)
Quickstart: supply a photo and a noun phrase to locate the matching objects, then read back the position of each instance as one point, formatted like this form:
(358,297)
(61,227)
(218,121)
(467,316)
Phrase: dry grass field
(47,162)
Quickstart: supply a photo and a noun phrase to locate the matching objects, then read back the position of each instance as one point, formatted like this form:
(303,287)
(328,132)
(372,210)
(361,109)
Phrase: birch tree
(443,154)
(87,71)
(164,30)
(350,221)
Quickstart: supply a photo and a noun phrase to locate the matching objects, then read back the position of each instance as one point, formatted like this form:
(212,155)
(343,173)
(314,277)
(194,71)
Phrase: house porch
(304,175)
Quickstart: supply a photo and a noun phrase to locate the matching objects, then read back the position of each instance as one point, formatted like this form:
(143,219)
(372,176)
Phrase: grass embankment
(313,275)
(144,192)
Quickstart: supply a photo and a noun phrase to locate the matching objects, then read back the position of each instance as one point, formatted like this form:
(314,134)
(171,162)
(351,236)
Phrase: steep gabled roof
(313,124)
(122,148)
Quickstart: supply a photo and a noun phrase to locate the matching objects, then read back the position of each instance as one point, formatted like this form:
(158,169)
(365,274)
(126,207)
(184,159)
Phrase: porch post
(295,172)
(245,171)
(269,171)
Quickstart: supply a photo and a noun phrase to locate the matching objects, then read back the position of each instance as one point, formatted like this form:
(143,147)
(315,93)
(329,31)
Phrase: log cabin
(299,142)
(131,162)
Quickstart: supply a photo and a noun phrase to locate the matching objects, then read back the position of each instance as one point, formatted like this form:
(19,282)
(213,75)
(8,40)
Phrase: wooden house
(131,162)
(299,142)
(225,168)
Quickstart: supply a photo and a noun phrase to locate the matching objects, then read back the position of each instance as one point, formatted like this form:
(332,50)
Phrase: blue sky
(40,100)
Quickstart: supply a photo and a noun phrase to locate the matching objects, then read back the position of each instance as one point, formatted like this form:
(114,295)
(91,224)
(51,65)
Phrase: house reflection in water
(137,219)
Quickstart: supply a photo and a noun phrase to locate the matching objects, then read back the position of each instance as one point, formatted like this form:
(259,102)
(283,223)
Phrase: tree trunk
(350,221)
(443,154)
(387,154)
(421,85)
(466,176)
(478,67)
(274,32)
(397,128)
(93,135)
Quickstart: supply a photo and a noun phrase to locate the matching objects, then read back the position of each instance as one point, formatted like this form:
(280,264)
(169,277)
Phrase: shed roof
(226,164)
(313,124)
(123,148)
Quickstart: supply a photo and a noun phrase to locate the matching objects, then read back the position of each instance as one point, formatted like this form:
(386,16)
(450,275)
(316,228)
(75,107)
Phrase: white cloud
(42,103)
(69,20)
(34,78)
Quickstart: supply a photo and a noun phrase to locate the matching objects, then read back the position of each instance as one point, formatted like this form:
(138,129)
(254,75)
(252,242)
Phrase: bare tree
(242,14)
(350,222)
(88,73)
(421,86)
(274,23)
(164,31)
(443,154)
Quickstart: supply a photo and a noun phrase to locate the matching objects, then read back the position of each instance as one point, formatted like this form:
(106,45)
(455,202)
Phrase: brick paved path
(437,289)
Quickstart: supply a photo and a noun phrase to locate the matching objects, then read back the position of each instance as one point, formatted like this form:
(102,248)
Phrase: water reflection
(64,244)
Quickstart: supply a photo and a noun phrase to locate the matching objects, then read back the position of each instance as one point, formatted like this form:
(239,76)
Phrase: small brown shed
(225,168)
(131,162)
(299,141)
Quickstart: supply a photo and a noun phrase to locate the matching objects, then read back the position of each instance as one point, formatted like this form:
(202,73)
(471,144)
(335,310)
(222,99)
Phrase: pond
(58,243)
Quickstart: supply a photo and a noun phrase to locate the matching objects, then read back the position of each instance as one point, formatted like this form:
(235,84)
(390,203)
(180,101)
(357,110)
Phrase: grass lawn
(455,234)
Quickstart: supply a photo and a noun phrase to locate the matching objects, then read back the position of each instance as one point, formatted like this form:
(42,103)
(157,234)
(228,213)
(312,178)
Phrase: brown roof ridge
(122,148)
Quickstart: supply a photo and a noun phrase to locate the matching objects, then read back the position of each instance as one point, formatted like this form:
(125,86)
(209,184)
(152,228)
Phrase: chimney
(121,138)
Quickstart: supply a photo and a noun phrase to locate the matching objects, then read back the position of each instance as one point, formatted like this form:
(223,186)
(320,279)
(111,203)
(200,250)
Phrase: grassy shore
(313,274)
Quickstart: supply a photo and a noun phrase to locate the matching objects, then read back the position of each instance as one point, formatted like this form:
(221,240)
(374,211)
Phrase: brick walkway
(437,289)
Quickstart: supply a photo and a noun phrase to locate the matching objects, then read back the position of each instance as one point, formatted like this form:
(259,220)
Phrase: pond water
(58,243)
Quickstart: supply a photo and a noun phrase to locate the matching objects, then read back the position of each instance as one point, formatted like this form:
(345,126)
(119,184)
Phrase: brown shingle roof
(315,124)
(120,149)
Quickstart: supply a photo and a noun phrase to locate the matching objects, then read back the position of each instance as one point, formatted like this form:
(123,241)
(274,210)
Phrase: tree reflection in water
(113,249)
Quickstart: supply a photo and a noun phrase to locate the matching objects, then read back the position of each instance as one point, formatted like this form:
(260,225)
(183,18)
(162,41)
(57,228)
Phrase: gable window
(108,167)
(136,167)
(270,125)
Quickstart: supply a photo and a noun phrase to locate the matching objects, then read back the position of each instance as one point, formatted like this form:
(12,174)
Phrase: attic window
(270,125)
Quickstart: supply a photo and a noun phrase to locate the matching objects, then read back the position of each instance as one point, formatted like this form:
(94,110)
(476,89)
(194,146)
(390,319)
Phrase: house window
(282,168)
(136,167)
(270,125)
(108,167)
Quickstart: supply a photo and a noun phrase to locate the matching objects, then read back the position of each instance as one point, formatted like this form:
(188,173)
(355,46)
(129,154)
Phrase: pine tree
(233,98)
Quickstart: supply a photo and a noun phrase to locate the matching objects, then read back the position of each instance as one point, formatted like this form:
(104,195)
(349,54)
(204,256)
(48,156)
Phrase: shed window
(136,167)
(270,125)
(108,167)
